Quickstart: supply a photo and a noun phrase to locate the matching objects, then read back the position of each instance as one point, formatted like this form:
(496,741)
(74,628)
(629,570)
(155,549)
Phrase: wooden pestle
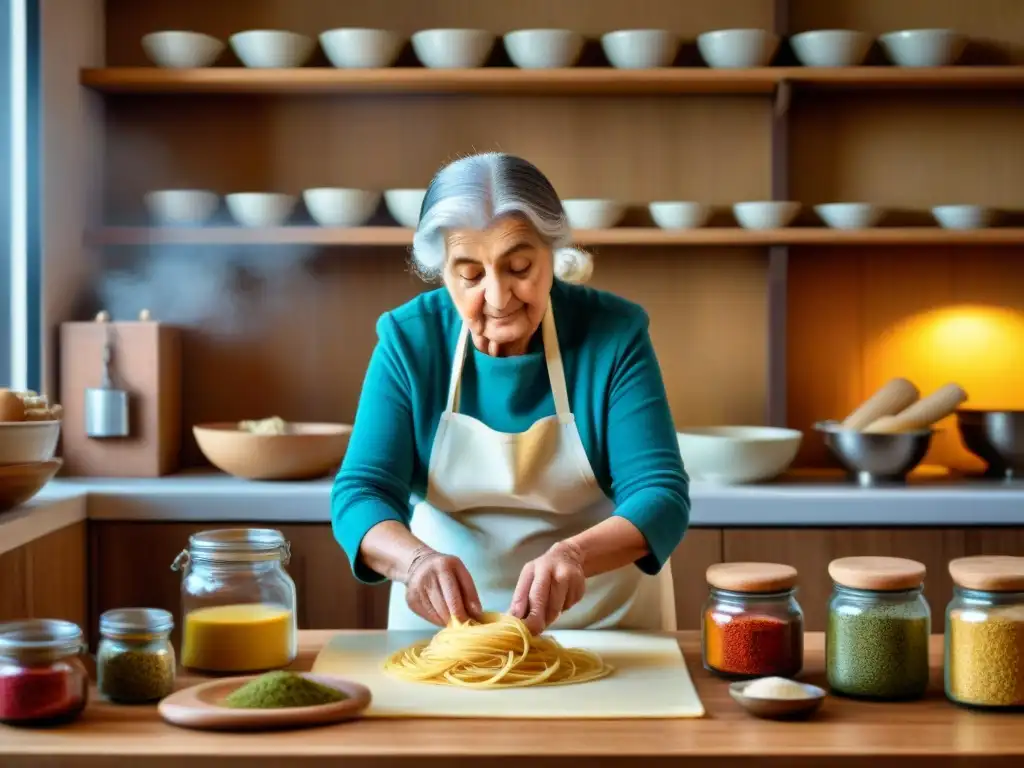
(922,414)
(890,399)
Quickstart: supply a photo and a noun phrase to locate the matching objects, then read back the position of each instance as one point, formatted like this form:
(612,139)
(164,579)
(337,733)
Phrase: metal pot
(996,437)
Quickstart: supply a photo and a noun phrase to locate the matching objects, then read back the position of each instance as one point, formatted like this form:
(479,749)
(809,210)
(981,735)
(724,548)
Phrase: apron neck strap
(552,357)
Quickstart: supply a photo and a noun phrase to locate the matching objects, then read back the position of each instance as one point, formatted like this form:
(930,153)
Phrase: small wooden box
(146,362)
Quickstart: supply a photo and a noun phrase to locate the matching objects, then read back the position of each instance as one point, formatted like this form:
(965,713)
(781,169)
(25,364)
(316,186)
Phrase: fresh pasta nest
(496,652)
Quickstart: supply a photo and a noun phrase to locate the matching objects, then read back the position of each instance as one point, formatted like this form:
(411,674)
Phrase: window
(20,251)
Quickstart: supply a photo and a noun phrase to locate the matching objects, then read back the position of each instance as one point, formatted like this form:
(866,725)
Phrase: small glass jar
(879,625)
(238,601)
(42,678)
(135,661)
(985,633)
(752,625)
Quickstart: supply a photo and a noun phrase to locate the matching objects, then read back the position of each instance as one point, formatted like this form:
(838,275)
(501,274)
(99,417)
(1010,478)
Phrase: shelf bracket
(783,98)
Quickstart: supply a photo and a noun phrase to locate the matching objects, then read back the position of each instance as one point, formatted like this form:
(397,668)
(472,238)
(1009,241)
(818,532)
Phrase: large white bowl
(923,47)
(964,216)
(337,207)
(260,209)
(404,205)
(849,215)
(730,455)
(831,47)
(592,213)
(640,48)
(737,48)
(765,214)
(28,442)
(453,48)
(543,48)
(356,48)
(679,215)
(179,207)
(272,48)
(176,49)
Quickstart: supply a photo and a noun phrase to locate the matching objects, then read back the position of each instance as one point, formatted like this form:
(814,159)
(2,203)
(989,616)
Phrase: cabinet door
(46,578)
(700,548)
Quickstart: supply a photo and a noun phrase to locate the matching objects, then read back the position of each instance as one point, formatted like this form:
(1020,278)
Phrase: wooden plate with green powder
(272,701)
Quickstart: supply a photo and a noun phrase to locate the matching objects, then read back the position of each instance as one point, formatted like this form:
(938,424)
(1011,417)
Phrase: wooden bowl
(778,709)
(308,451)
(20,482)
(200,707)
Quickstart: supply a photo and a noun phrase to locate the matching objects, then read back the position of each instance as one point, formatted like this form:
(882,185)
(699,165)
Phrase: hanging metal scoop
(106,408)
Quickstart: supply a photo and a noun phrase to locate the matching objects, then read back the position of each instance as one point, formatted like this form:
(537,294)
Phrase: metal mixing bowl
(875,459)
(995,437)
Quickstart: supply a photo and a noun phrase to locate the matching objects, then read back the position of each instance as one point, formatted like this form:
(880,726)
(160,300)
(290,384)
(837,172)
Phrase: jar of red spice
(42,678)
(752,625)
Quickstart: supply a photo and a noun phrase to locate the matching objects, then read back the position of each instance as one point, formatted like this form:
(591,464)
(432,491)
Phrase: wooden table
(930,733)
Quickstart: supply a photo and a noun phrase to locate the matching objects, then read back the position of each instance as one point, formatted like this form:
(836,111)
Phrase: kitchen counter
(931,732)
(809,498)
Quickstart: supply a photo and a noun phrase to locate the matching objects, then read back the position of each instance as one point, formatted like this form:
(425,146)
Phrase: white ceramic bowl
(175,49)
(737,48)
(355,48)
(272,48)
(260,209)
(679,215)
(337,207)
(765,214)
(730,455)
(923,47)
(453,48)
(28,442)
(181,206)
(831,47)
(640,48)
(964,216)
(404,205)
(592,213)
(849,215)
(543,48)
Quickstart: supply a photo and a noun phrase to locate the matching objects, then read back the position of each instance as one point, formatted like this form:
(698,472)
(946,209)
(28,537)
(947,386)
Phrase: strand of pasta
(496,652)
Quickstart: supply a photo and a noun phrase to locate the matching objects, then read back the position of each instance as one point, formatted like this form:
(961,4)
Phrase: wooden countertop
(931,733)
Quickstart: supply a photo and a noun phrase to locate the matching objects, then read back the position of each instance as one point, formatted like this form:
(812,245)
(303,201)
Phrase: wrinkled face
(500,279)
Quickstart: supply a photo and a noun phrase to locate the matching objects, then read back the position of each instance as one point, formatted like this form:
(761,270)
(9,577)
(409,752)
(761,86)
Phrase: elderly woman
(513,449)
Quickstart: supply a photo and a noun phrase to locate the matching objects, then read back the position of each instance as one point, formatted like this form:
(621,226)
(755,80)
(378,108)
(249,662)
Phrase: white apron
(497,501)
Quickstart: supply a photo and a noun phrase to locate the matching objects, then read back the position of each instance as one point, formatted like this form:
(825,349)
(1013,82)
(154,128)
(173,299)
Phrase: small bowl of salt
(777,698)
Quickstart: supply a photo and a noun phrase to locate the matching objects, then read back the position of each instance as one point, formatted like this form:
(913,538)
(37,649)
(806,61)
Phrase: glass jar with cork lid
(985,633)
(752,625)
(238,601)
(879,623)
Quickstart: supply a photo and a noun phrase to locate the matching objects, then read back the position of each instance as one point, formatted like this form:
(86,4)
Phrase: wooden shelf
(638,236)
(508,80)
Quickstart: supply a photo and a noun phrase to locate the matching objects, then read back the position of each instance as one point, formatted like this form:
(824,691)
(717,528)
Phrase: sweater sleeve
(374,480)
(649,485)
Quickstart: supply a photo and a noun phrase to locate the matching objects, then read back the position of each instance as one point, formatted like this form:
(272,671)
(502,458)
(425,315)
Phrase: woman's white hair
(473,191)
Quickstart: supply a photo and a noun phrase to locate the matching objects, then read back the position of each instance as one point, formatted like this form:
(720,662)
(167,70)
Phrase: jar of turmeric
(238,602)
(985,633)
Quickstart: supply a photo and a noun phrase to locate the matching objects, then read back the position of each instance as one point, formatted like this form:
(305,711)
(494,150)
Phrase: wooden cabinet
(46,578)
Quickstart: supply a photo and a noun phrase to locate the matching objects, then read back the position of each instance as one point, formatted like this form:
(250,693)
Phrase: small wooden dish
(778,709)
(200,707)
(20,482)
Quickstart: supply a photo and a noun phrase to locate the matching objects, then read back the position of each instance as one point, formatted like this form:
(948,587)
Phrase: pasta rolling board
(650,681)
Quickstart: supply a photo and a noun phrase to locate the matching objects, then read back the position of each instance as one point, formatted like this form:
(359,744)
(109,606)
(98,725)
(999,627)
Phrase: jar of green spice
(879,623)
(135,662)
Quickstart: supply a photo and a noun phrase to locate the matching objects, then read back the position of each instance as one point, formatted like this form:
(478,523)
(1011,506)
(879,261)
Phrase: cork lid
(989,573)
(882,574)
(751,577)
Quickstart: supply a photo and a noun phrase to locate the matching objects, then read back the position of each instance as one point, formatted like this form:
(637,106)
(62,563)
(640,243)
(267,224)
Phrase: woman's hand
(438,587)
(549,586)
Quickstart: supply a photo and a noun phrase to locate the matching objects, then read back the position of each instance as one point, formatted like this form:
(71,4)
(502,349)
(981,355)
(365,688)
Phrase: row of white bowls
(550,48)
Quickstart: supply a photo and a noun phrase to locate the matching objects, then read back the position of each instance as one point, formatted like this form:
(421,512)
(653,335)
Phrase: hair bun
(573,265)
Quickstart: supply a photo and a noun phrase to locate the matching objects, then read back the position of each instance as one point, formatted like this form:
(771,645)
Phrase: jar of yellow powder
(237,600)
(985,632)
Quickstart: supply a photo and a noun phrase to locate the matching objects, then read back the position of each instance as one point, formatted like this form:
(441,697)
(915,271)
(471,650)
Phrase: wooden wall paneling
(995,541)
(810,550)
(701,547)
(13,585)
(58,575)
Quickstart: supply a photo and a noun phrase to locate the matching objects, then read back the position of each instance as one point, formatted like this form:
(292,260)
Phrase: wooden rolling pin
(894,396)
(922,414)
